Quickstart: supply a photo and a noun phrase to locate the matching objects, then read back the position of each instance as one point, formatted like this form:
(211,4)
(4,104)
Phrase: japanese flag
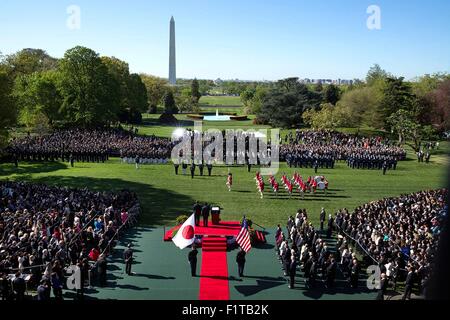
(185,235)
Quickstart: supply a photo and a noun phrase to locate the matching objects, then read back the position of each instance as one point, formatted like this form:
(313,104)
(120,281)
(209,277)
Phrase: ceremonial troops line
(367,161)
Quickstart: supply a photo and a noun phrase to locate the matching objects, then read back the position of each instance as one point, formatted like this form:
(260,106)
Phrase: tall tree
(8,112)
(38,98)
(195,91)
(288,84)
(404,123)
(362,106)
(170,106)
(376,73)
(396,95)
(332,94)
(90,93)
(285,109)
(318,87)
(28,61)
(439,102)
(156,90)
(137,93)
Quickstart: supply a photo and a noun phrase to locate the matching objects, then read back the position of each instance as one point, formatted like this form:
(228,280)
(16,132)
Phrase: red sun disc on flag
(188,232)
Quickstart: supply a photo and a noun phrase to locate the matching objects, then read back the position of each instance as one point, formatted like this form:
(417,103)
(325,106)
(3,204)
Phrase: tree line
(81,89)
(413,110)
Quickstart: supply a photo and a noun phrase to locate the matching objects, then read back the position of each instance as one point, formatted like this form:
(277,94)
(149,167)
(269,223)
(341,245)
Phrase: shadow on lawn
(26,170)
(262,283)
(159,206)
(155,122)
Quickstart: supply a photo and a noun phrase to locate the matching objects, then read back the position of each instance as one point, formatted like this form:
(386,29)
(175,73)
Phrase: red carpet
(225,228)
(229,228)
(214,271)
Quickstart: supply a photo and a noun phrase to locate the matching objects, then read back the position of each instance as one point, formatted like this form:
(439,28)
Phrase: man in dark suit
(209,167)
(192,170)
(128,257)
(330,226)
(383,287)
(43,291)
(240,259)
(102,265)
(354,274)
(409,282)
(331,273)
(316,166)
(313,273)
(323,217)
(292,271)
(286,258)
(205,214)
(192,258)
(197,209)
(71,160)
(176,166)
(201,166)
(19,287)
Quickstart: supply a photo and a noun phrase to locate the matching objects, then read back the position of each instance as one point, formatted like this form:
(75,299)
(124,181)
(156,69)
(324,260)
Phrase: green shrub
(181,219)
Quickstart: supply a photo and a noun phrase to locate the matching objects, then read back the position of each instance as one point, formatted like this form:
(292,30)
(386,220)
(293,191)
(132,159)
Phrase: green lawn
(221,101)
(164,196)
(151,125)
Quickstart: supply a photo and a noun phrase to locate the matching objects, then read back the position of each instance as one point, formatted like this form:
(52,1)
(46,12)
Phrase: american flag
(243,238)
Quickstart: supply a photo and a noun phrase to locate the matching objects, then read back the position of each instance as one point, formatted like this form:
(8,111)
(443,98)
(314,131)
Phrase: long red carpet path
(214,270)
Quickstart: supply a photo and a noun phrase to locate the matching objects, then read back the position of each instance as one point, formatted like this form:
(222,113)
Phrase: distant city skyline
(250,40)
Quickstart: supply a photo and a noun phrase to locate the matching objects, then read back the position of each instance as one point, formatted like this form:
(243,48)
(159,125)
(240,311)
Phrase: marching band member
(229,181)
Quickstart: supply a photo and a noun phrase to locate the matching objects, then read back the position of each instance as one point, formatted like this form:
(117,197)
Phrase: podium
(215,215)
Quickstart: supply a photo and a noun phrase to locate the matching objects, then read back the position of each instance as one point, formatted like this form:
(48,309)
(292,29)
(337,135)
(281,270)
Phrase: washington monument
(172,55)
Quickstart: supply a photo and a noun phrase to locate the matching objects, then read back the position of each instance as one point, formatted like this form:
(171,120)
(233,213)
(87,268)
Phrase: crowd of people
(44,229)
(236,147)
(305,248)
(400,234)
(321,149)
(90,145)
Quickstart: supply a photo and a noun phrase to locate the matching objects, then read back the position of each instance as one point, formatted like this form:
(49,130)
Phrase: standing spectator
(240,259)
(128,257)
(354,274)
(331,273)
(102,266)
(19,287)
(323,217)
(383,287)
(57,286)
(409,283)
(43,291)
(292,270)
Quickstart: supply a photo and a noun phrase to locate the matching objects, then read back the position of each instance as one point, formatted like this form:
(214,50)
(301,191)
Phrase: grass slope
(164,196)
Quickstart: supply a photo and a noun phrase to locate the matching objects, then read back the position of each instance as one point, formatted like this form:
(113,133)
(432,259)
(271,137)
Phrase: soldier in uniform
(192,258)
(240,260)
(128,257)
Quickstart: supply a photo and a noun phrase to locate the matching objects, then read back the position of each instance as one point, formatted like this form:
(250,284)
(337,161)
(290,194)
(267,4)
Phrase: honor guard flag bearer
(243,238)
(185,235)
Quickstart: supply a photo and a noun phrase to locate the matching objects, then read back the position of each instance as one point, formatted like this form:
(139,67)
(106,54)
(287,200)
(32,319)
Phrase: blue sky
(245,39)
